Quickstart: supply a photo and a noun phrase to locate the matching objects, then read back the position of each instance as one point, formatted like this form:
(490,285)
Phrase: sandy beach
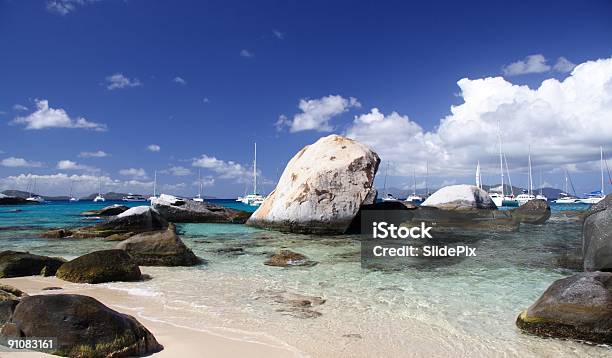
(177,341)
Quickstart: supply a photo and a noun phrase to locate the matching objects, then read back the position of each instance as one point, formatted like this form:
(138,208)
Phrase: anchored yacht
(254,199)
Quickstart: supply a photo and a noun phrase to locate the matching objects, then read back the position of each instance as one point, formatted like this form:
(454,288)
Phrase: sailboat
(414,198)
(498,197)
(564,197)
(528,196)
(597,196)
(199,197)
(541,195)
(33,197)
(253,199)
(99,197)
(387,196)
(152,198)
(72,198)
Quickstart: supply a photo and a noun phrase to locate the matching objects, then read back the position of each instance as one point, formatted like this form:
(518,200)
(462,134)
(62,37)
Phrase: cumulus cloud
(70,165)
(225,170)
(246,53)
(317,113)
(181,81)
(64,7)
(564,122)
(153,148)
(13,162)
(96,154)
(136,173)
(531,64)
(118,80)
(279,35)
(47,117)
(19,107)
(180,171)
(564,65)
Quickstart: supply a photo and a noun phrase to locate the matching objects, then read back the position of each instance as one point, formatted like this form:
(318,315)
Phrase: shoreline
(178,341)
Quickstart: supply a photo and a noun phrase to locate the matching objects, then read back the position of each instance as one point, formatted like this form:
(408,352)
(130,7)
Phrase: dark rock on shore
(107,211)
(597,236)
(84,327)
(286,258)
(577,307)
(534,212)
(17,264)
(100,266)
(179,210)
(9,298)
(159,248)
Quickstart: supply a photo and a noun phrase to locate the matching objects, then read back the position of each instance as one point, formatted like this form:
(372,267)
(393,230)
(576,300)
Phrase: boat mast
(200,183)
(413,182)
(155,184)
(601,164)
(426,176)
(530,177)
(509,178)
(385,185)
(501,157)
(541,182)
(255,171)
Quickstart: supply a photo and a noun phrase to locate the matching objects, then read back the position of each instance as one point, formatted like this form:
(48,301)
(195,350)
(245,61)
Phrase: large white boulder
(321,189)
(460,197)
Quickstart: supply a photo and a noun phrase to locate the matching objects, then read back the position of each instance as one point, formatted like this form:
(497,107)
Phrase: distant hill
(108,196)
(25,194)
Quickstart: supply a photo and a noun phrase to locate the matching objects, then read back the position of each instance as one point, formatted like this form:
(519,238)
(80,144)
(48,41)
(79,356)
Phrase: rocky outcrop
(597,236)
(9,298)
(111,210)
(179,210)
(286,258)
(57,234)
(534,212)
(576,307)
(460,197)
(83,326)
(17,264)
(159,248)
(321,189)
(100,266)
(13,200)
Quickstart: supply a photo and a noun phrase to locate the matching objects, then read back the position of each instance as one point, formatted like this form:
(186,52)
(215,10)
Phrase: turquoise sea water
(463,307)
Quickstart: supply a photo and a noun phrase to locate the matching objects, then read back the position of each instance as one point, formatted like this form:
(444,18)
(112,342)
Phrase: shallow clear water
(431,306)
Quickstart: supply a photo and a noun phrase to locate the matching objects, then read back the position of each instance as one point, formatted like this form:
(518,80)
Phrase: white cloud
(96,154)
(118,80)
(153,148)
(70,165)
(180,171)
(564,65)
(13,162)
(246,53)
(206,100)
(47,117)
(136,173)
(279,35)
(179,80)
(564,122)
(317,113)
(531,64)
(64,7)
(226,170)
(19,107)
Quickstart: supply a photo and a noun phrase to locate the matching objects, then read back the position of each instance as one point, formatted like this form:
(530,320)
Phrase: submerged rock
(159,248)
(460,197)
(532,212)
(57,234)
(107,211)
(286,258)
(577,307)
(188,211)
(597,236)
(17,264)
(321,189)
(84,327)
(100,266)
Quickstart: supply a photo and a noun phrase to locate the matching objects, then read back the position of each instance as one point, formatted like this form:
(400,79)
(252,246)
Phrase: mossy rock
(100,266)
(18,264)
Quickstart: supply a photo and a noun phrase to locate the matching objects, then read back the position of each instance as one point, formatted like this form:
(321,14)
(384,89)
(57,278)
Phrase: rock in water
(532,212)
(576,307)
(134,220)
(285,258)
(321,189)
(460,197)
(17,264)
(188,211)
(159,248)
(597,236)
(84,327)
(100,266)
(107,211)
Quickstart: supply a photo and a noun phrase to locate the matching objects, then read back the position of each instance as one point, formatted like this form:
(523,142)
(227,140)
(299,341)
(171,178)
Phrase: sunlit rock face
(321,189)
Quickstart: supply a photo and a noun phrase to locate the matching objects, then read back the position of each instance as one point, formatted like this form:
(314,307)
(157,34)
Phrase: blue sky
(211,77)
